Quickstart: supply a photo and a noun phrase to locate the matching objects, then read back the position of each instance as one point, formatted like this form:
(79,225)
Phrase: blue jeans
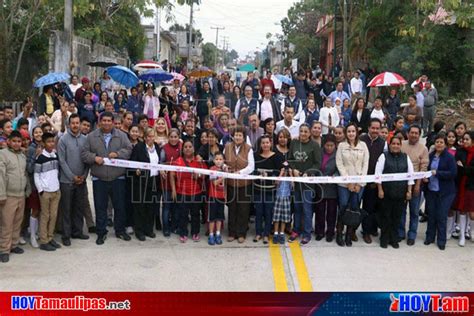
(304,212)
(344,196)
(414,206)
(170,223)
(438,205)
(263,202)
(116,191)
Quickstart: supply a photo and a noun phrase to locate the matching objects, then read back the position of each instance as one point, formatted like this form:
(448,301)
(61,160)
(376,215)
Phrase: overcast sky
(246,22)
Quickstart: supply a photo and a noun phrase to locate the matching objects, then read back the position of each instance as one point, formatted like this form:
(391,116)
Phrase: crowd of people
(264,127)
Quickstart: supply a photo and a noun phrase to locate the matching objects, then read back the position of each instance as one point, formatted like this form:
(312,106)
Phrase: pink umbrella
(176,76)
(387,79)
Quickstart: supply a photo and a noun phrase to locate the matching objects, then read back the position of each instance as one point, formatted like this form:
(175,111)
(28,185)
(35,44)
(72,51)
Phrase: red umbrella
(387,79)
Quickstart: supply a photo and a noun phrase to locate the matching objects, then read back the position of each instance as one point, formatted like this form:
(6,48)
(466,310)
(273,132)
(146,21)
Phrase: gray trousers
(428,118)
(72,203)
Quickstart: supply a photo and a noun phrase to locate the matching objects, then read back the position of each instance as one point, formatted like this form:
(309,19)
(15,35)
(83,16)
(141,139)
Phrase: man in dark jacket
(108,182)
(392,104)
(375,145)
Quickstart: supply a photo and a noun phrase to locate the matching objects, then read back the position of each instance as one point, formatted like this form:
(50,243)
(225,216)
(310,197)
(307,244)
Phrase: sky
(246,22)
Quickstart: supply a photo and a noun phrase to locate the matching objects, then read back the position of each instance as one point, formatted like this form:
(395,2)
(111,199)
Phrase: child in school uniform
(282,208)
(216,202)
(14,188)
(46,177)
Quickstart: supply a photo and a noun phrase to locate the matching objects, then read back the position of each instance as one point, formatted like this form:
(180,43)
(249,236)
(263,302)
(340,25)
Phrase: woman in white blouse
(151,106)
(352,159)
(329,117)
(144,182)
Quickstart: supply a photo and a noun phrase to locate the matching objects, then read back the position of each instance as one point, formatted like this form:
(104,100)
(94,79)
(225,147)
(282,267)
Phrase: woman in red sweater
(186,189)
(169,154)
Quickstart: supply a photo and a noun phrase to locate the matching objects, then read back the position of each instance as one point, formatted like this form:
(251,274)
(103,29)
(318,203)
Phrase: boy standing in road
(47,182)
(14,187)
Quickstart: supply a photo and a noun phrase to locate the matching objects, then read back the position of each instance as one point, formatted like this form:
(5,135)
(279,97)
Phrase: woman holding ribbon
(393,194)
(352,159)
(145,184)
(441,191)
(186,189)
(239,159)
(305,160)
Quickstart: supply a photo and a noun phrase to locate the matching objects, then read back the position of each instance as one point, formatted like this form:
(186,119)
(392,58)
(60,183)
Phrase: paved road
(164,264)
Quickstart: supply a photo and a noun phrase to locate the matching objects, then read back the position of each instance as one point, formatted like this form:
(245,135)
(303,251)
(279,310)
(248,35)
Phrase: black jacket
(277,115)
(143,185)
(364,121)
(42,104)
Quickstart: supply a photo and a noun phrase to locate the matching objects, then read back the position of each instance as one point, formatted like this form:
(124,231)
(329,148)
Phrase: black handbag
(352,216)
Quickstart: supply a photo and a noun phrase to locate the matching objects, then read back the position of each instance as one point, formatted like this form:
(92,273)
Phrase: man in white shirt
(289,123)
(269,107)
(328,116)
(379,112)
(356,84)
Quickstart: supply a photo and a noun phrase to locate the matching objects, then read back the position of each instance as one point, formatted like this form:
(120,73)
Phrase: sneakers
(34,242)
(4,257)
(17,250)
(304,241)
(293,237)
(22,241)
(54,244)
(218,240)
(196,237)
(183,239)
(211,240)
(47,247)
(276,238)
(282,239)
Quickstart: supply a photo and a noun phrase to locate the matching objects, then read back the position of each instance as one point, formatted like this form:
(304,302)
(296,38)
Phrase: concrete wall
(84,51)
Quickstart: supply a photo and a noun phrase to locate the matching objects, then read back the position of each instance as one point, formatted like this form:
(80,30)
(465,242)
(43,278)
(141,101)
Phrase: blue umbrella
(123,75)
(51,78)
(285,79)
(156,75)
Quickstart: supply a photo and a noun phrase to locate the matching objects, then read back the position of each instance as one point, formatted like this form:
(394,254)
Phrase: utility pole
(224,48)
(158,33)
(217,28)
(69,32)
(189,64)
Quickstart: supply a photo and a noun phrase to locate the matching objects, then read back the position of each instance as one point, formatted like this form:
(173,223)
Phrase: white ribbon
(320,180)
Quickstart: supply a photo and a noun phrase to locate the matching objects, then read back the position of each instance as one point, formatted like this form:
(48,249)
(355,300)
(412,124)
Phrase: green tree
(209,51)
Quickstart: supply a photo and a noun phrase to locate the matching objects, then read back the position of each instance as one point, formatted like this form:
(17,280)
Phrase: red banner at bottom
(177,303)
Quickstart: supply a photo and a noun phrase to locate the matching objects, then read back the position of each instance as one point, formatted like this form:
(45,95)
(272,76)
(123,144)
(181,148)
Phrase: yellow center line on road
(300,267)
(278,268)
